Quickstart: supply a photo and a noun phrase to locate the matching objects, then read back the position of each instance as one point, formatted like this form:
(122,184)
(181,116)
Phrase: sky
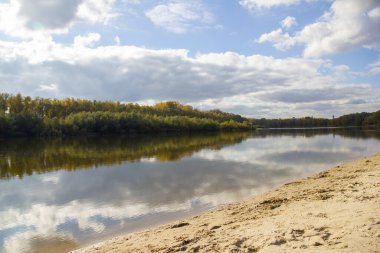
(257,58)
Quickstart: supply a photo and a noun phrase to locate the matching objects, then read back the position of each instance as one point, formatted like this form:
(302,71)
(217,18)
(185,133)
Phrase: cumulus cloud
(88,40)
(179,16)
(48,87)
(229,81)
(375,67)
(288,22)
(117,40)
(348,24)
(24,18)
(96,11)
(259,4)
(47,14)
(281,40)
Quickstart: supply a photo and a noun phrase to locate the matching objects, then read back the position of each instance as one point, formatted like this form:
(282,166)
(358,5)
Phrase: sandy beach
(337,210)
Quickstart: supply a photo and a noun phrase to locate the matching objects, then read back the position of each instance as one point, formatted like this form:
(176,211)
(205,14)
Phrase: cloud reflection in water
(63,209)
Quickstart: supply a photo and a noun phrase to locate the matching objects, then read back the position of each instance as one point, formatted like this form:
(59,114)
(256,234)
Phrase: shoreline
(336,210)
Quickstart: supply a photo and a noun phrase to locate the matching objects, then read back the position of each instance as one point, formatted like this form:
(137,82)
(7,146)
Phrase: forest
(26,116)
(364,120)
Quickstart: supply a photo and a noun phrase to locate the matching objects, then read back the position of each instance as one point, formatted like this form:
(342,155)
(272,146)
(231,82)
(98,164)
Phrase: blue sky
(259,58)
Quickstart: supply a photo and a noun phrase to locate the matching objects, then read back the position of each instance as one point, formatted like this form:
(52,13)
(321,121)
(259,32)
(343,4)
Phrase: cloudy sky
(260,58)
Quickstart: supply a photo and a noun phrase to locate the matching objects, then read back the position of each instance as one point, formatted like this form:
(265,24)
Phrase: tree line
(364,119)
(26,116)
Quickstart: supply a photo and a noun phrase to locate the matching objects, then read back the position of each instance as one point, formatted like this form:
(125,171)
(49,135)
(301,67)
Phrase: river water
(60,194)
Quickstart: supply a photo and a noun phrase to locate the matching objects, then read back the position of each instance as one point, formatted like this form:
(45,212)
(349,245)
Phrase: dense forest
(25,116)
(364,119)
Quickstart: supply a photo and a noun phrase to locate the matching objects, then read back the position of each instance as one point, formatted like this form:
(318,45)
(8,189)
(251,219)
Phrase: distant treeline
(25,116)
(364,119)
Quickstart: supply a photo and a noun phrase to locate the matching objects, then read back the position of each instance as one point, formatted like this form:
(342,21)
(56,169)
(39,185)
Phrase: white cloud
(229,81)
(375,67)
(86,41)
(180,16)
(259,4)
(25,18)
(280,39)
(48,87)
(96,11)
(288,22)
(117,40)
(348,24)
(375,13)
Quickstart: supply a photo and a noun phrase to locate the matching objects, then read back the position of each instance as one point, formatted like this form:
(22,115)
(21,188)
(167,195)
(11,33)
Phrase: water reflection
(27,156)
(140,181)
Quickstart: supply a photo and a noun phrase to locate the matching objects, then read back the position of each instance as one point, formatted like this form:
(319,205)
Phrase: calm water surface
(60,194)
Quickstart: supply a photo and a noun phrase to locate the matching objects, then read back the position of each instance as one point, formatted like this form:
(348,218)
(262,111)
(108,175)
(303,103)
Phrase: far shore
(337,210)
(305,128)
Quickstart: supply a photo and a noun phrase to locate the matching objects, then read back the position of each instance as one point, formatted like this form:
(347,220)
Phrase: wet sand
(337,210)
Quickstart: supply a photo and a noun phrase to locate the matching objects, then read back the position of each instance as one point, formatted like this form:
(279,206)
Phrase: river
(60,194)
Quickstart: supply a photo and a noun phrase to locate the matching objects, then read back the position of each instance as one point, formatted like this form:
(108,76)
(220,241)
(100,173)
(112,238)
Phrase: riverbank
(334,211)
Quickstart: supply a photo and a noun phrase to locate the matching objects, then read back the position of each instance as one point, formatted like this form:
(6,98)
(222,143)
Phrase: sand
(337,210)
